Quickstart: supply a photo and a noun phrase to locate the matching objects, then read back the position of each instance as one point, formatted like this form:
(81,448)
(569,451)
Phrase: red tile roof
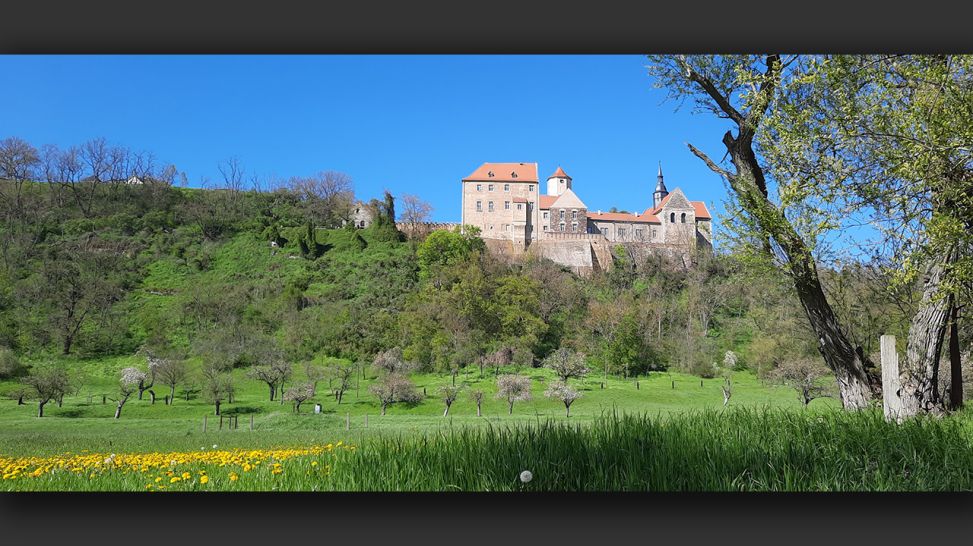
(643,218)
(504,172)
(559,173)
(701,211)
(547,201)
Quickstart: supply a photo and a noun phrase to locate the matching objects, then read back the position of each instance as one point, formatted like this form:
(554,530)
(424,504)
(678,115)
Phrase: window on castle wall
(672,217)
(520,206)
(638,234)
(545,216)
(506,187)
(506,205)
(683,218)
(490,206)
(562,226)
(530,187)
(479,187)
(479,206)
(562,214)
(655,233)
(490,187)
(574,215)
(574,226)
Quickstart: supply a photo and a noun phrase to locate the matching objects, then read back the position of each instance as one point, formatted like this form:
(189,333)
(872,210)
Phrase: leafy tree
(392,388)
(47,383)
(299,394)
(715,83)
(443,249)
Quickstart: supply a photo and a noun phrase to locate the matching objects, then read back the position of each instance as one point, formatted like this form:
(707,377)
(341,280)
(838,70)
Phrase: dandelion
(526,476)
(204,480)
(234,477)
(174,479)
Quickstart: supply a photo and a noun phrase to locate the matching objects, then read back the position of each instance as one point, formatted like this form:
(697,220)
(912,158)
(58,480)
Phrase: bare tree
(394,388)
(805,375)
(415,214)
(18,161)
(477,398)
(273,375)
(217,385)
(339,377)
(566,364)
(559,390)
(233,173)
(449,394)
(513,388)
(327,196)
(299,395)
(47,383)
(314,374)
(171,372)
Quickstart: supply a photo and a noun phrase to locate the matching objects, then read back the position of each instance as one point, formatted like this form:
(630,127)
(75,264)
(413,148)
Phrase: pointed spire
(660,170)
(559,173)
(660,189)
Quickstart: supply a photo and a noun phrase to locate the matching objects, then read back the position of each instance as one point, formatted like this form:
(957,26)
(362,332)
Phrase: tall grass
(740,450)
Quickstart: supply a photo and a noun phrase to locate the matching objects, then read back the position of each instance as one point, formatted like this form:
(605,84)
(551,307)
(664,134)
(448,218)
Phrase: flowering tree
(805,376)
(299,395)
(131,380)
(394,388)
(512,388)
(566,364)
(391,362)
(449,394)
(560,390)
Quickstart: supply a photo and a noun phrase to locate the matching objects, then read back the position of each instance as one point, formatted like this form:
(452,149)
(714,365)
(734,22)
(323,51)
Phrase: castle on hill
(504,200)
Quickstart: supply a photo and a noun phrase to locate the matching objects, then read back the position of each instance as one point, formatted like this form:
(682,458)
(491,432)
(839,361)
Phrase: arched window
(672,217)
(683,218)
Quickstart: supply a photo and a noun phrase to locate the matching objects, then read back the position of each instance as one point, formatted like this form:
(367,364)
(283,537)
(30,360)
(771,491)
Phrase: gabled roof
(699,207)
(559,173)
(504,172)
(568,200)
(547,200)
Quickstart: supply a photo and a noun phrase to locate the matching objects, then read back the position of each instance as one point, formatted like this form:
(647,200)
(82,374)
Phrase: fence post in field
(251,422)
(347,421)
(700,382)
(103,397)
(637,386)
(204,423)
(891,402)
(221,422)
(673,384)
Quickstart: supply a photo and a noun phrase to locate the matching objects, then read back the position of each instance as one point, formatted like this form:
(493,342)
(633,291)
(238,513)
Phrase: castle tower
(660,189)
(558,182)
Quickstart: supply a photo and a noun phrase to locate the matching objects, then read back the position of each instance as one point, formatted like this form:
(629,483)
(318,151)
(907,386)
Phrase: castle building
(505,201)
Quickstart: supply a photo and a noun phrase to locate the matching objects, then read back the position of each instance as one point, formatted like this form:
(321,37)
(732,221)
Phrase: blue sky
(410,124)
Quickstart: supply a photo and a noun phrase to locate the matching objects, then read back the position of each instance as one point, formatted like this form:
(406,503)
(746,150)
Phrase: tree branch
(709,162)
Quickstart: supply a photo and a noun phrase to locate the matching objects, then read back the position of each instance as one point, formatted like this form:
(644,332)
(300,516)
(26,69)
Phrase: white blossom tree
(560,390)
(513,388)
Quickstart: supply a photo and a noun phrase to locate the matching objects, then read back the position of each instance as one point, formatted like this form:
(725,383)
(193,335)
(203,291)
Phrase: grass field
(649,436)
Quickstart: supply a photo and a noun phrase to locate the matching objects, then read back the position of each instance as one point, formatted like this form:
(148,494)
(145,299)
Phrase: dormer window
(513,174)
(490,174)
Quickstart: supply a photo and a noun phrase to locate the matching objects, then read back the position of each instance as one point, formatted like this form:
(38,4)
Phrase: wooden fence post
(891,402)
(221,422)
(204,423)
(347,421)
(251,422)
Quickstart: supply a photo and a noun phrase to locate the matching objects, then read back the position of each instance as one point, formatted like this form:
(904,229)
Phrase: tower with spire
(660,189)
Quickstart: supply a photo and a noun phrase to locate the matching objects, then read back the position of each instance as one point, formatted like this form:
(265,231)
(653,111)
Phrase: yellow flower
(174,479)
(159,479)
(204,480)
(234,477)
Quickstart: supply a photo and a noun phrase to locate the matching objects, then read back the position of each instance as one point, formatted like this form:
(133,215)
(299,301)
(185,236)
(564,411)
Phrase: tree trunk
(383,409)
(40,409)
(118,410)
(217,407)
(510,408)
(20,400)
(152,396)
(955,364)
(567,408)
(273,391)
(60,400)
(858,381)
(478,409)
(172,395)
(445,413)
(927,332)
